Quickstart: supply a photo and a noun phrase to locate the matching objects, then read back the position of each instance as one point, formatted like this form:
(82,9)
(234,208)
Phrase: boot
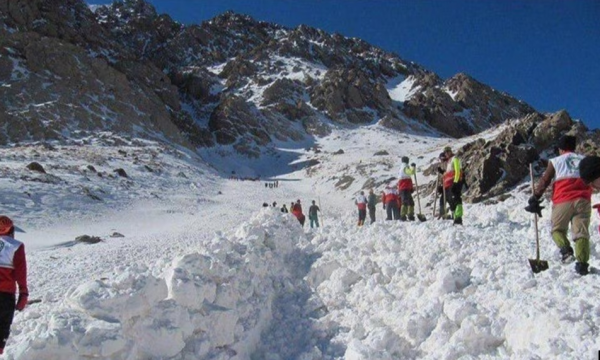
(566,254)
(582,268)
(403,218)
(458,221)
(411,217)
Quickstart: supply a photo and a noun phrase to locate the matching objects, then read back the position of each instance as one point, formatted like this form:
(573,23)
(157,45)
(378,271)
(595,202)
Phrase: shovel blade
(421,217)
(538,265)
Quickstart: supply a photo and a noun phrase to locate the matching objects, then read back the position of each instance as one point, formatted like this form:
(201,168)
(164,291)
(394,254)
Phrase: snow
(205,272)
(401,88)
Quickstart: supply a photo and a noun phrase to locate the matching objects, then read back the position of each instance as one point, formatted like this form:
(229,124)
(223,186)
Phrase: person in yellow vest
(405,188)
(453,183)
(571,203)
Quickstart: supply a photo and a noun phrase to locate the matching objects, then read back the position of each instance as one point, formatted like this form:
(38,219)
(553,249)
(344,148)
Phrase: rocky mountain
(232,80)
(241,85)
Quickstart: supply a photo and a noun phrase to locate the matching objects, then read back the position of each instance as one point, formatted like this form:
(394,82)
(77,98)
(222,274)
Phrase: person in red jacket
(389,198)
(297,212)
(571,203)
(361,202)
(13,272)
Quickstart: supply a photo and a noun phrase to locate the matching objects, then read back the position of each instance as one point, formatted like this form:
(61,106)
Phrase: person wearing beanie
(13,272)
(453,183)
(571,203)
(405,188)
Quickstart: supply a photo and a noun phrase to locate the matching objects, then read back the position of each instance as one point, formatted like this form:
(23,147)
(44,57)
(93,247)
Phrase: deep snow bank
(436,291)
(213,302)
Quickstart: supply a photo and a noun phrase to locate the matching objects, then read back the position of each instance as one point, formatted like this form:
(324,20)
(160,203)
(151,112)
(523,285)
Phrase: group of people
(575,177)
(397,198)
(296,210)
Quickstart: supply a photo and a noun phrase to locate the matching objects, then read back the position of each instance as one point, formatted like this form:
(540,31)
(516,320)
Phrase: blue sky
(546,53)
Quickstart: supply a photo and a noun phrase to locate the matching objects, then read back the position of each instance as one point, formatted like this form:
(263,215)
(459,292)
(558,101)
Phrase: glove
(22,302)
(534,206)
(413,165)
(440,189)
(440,170)
(383,206)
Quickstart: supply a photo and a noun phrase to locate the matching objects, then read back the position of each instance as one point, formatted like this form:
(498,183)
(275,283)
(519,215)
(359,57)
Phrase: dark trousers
(362,215)
(372,213)
(7,312)
(392,210)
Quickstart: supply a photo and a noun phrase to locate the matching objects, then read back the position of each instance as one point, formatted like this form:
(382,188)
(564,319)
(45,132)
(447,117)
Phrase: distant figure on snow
(361,203)
(405,188)
(453,183)
(390,202)
(284,209)
(371,203)
(312,214)
(297,212)
(13,272)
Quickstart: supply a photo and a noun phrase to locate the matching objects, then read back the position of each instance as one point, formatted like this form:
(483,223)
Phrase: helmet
(6,225)
(405,159)
(447,149)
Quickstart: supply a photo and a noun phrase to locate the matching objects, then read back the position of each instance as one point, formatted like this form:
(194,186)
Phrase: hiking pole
(320,210)
(537,265)
(420,216)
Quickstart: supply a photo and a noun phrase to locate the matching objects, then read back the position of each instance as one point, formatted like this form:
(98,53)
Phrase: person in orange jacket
(13,272)
(389,198)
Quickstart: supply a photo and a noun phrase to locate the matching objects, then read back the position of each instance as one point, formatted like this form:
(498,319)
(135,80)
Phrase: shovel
(420,216)
(435,197)
(536,264)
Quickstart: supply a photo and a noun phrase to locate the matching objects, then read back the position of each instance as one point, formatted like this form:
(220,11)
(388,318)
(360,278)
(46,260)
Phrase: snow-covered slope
(205,272)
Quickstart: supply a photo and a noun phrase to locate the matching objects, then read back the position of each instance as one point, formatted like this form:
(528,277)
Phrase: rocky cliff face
(496,165)
(232,81)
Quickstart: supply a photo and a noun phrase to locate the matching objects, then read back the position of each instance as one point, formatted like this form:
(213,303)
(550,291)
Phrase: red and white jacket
(390,194)
(568,185)
(405,178)
(13,266)
(361,202)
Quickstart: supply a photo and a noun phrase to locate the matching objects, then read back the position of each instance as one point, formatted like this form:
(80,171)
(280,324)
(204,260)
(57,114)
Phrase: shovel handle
(537,236)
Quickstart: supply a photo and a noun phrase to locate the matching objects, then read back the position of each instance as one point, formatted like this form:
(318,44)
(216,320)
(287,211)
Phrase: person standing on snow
(297,212)
(390,202)
(571,203)
(371,204)
(453,182)
(312,214)
(284,209)
(361,203)
(13,272)
(405,188)
(440,189)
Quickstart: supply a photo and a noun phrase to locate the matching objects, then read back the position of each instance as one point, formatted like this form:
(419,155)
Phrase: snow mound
(214,302)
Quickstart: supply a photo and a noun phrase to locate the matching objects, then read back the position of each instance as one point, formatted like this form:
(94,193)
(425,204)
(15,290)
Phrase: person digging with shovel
(571,203)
